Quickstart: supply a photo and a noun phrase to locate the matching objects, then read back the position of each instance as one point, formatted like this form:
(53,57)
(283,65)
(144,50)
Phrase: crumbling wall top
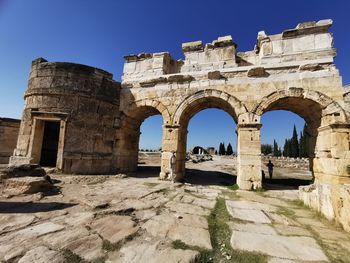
(308,41)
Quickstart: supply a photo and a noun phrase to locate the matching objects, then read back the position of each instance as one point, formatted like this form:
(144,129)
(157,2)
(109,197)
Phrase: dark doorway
(50,143)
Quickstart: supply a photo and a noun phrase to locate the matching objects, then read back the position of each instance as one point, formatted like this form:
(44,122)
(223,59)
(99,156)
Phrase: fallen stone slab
(156,252)
(287,230)
(79,219)
(88,247)
(114,228)
(286,247)
(24,170)
(38,230)
(187,208)
(253,228)
(282,219)
(208,204)
(62,239)
(251,215)
(280,260)
(15,243)
(26,185)
(42,254)
(13,222)
(192,236)
(251,205)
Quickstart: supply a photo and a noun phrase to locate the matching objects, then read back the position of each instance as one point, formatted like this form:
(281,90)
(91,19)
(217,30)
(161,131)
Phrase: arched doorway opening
(320,114)
(127,157)
(211,148)
(195,103)
(150,146)
(285,142)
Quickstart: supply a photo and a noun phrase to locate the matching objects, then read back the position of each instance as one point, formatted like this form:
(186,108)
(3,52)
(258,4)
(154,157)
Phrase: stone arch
(141,109)
(129,134)
(310,105)
(209,98)
(318,110)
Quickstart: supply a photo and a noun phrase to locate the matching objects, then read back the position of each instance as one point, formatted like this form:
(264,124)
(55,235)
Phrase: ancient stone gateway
(95,121)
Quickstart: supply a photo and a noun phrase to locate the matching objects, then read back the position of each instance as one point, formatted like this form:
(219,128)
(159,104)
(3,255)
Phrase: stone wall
(9,129)
(287,162)
(332,200)
(84,101)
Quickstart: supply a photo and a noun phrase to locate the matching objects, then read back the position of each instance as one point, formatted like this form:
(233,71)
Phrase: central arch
(201,100)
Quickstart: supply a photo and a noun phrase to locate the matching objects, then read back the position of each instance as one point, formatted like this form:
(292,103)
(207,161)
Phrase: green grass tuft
(233,187)
(150,184)
(70,257)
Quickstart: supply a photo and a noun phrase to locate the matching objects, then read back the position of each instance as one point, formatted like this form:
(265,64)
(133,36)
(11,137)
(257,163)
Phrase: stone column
(248,154)
(331,163)
(173,141)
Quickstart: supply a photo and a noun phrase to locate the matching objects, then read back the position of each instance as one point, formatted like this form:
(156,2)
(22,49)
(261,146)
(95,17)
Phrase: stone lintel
(224,41)
(307,28)
(48,114)
(192,46)
(138,57)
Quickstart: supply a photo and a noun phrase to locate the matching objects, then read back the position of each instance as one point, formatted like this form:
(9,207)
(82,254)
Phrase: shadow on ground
(284,183)
(146,171)
(32,207)
(205,178)
(200,177)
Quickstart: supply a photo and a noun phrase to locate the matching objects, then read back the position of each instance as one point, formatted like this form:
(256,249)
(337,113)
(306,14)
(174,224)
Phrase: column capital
(335,126)
(249,126)
(171,126)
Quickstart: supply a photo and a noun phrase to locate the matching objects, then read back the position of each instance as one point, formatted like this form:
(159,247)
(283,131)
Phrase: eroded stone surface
(42,254)
(295,248)
(114,228)
(251,215)
(153,252)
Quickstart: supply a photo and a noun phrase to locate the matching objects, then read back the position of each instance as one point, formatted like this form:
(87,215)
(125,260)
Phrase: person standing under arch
(172,164)
(270,168)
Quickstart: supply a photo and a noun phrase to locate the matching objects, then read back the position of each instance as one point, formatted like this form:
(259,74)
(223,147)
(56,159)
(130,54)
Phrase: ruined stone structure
(94,121)
(8,138)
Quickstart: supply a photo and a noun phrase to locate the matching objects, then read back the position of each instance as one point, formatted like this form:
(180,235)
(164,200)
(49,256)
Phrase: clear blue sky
(100,33)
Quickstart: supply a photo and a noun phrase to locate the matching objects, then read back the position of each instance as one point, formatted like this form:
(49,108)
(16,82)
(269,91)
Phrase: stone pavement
(113,219)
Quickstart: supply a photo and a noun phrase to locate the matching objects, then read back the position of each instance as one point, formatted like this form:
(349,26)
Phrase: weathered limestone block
(9,129)
(248,156)
(332,200)
(26,185)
